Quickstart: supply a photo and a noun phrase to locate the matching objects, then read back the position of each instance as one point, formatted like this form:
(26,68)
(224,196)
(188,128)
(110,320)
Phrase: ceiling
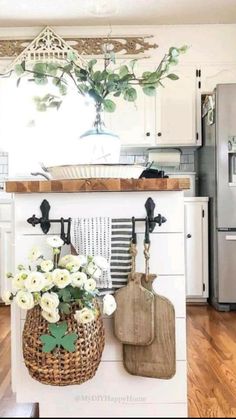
(115,12)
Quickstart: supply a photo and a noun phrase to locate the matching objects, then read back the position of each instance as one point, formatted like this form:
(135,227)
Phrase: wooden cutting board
(157,360)
(134,316)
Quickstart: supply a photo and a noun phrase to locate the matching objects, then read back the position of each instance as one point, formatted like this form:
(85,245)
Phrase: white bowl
(83,171)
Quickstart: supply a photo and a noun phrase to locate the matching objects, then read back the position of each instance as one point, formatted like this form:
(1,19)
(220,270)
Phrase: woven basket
(61,368)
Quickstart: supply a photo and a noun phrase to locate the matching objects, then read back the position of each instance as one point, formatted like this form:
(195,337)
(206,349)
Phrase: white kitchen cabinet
(176,109)
(196,248)
(211,75)
(5,256)
(5,243)
(134,122)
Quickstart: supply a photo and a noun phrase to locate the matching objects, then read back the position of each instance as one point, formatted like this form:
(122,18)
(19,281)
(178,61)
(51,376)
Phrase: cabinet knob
(159,134)
(148,134)
(189,236)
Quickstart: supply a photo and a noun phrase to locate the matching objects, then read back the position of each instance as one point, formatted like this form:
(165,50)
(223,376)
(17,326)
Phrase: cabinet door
(134,122)
(176,109)
(194,249)
(211,75)
(6,264)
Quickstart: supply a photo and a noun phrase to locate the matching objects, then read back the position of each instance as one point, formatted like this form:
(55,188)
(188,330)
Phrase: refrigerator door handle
(230,237)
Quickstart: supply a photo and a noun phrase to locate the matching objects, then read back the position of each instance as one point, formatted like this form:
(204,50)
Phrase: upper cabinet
(211,75)
(176,109)
(167,119)
(134,122)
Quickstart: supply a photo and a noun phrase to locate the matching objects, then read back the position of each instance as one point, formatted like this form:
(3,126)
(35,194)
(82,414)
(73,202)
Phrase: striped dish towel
(121,234)
(92,237)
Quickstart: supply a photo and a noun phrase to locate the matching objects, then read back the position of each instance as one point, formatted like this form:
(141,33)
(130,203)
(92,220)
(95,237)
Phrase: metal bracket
(45,222)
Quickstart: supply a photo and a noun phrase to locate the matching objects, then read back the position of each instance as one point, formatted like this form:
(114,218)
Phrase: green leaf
(173,76)
(173,51)
(68,342)
(95,95)
(65,295)
(64,308)
(123,71)
(149,90)
(19,70)
(109,105)
(183,49)
(62,89)
(97,76)
(146,74)
(117,94)
(52,68)
(40,68)
(41,80)
(130,94)
(67,68)
(71,56)
(153,77)
(92,63)
(58,330)
(132,64)
(49,343)
(113,77)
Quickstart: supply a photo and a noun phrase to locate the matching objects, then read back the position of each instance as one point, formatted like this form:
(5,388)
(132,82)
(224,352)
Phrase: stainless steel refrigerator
(217,179)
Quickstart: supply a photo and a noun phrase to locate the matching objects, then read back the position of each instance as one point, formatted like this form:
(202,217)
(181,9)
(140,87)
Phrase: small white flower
(55,241)
(84,316)
(46,265)
(101,262)
(25,300)
(82,259)
(34,254)
(65,260)
(93,270)
(90,285)
(109,304)
(73,267)
(18,281)
(52,316)
(48,281)
(78,279)
(61,278)
(7,297)
(49,301)
(35,282)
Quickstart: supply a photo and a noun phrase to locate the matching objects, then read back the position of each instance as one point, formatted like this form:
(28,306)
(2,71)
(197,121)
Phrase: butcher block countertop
(96,185)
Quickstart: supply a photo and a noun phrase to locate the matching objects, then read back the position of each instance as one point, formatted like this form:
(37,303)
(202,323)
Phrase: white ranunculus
(49,301)
(52,316)
(25,300)
(46,265)
(19,279)
(55,241)
(7,297)
(84,316)
(73,266)
(109,304)
(61,278)
(65,260)
(90,285)
(93,270)
(82,259)
(34,254)
(48,281)
(78,279)
(35,282)
(101,262)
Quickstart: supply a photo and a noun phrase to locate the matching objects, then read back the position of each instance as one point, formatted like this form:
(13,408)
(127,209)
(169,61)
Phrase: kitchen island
(113,392)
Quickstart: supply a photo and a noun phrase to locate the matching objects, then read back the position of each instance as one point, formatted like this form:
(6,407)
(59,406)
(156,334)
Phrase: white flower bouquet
(56,284)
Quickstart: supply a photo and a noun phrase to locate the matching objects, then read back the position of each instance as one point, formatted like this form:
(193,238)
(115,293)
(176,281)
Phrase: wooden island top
(97,185)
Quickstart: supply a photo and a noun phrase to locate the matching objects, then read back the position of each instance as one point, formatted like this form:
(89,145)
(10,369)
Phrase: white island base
(113,392)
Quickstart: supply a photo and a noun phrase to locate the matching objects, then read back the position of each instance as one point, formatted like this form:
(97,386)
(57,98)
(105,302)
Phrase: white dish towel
(92,237)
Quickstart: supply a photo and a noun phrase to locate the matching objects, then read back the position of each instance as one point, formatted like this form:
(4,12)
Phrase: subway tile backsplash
(140,155)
